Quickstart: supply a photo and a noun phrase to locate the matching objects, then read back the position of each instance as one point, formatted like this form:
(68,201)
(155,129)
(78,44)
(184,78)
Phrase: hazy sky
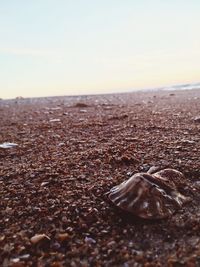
(60,47)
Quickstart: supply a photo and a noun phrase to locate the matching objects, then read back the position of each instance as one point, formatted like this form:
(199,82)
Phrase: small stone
(44,183)
(63,237)
(25,256)
(197,119)
(197,185)
(81,105)
(56,246)
(69,229)
(8,145)
(55,120)
(64,219)
(185,141)
(90,240)
(39,237)
(61,144)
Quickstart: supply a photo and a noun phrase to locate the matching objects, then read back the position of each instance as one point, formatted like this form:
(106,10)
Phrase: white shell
(150,196)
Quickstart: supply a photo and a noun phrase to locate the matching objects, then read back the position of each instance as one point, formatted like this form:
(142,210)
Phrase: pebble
(90,240)
(197,119)
(197,185)
(8,145)
(55,120)
(63,237)
(39,237)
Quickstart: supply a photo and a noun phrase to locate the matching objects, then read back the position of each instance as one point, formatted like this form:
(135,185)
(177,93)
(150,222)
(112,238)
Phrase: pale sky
(67,47)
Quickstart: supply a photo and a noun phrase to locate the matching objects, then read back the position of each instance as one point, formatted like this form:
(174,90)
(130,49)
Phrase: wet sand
(71,151)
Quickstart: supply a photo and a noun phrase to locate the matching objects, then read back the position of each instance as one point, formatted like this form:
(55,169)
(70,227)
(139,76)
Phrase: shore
(70,151)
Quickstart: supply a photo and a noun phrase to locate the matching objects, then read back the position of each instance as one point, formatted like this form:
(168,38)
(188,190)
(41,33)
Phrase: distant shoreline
(179,87)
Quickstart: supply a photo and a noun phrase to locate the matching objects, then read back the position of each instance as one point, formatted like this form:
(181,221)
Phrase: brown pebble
(63,237)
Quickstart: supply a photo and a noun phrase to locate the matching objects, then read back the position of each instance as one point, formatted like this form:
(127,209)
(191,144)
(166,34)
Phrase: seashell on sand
(150,196)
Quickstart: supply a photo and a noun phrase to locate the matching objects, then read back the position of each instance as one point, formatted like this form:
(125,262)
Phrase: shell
(150,196)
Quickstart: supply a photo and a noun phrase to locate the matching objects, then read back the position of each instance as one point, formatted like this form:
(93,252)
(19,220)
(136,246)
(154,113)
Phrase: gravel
(70,151)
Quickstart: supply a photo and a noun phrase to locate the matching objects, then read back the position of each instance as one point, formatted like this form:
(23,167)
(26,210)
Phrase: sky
(70,47)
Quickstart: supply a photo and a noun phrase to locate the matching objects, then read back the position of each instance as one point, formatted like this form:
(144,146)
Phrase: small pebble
(90,240)
(8,145)
(63,237)
(197,119)
(39,237)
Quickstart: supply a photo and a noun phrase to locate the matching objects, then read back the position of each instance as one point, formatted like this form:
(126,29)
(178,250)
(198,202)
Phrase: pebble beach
(68,152)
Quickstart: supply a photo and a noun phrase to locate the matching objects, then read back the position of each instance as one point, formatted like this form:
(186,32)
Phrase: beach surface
(69,152)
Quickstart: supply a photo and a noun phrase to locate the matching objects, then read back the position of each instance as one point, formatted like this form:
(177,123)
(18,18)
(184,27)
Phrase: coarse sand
(70,151)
